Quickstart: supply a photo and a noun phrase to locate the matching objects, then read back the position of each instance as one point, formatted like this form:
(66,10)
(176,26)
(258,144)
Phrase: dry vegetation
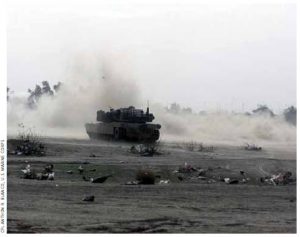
(196,146)
(28,143)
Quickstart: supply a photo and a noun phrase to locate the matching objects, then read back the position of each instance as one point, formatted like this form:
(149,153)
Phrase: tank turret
(130,115)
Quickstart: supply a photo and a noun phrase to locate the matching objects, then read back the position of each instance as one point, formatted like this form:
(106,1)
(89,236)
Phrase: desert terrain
(194,202)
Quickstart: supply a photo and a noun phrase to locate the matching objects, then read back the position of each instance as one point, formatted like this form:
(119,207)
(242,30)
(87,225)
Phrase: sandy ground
(189,205)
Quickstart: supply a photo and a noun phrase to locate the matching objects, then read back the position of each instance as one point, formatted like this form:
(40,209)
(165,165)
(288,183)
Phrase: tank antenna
(147,107)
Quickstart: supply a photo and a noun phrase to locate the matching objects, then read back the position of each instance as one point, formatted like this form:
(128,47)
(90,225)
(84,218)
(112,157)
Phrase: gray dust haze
(217,58)
(94,83)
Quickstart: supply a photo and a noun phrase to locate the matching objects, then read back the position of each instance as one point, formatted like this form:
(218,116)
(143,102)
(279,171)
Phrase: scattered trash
(201,172)
(211,181)
(40,176)
(89,198)
(46,174)
(28,173)
(132,183)
(51,176)
(101,179)
(231,181)
(164,181)
(279,179)
(70,171)
(80,169)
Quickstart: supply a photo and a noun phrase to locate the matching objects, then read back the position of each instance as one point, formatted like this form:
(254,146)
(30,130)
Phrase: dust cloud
(94,83)
(91,83)
(224,127)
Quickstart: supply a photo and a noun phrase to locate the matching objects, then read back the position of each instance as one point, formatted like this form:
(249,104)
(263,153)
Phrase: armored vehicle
(124,124)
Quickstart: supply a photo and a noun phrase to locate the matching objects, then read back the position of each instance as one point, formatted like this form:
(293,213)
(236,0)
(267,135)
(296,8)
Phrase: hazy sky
(199,55)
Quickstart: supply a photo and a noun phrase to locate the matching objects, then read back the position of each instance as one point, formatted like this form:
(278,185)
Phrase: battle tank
(124,124)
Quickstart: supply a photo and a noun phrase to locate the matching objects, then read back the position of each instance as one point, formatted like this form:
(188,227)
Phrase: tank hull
(123,131)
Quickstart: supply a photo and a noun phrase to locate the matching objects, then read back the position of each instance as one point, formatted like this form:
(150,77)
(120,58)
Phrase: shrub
(30,143)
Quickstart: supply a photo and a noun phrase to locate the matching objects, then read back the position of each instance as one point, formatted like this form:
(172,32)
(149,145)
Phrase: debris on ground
(145,177)
(89,198)
(135,182)
(164,181)
(92,155)
(245,180)
(43,176)
(80,169)
(51,176)
(211,181)
(101,179)
(252,147)
(46,174)
(231,181)
(70,171)
(201,172)
(28,173)
(279,179)
(92,170)
(48,168)
(186,169)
